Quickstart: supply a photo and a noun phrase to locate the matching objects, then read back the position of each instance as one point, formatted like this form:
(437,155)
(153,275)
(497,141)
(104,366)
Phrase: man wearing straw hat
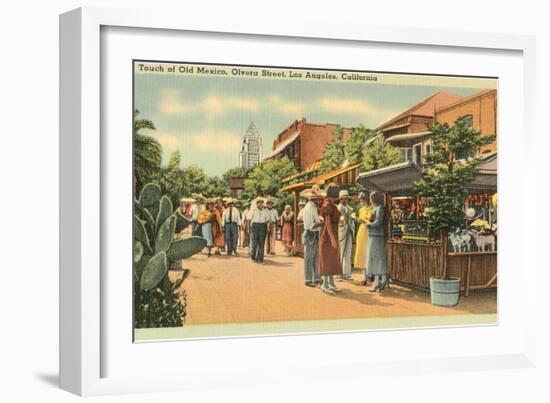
(310,236)
(231,220)
(346,233)
(271,226)
(258,229)
(190,210)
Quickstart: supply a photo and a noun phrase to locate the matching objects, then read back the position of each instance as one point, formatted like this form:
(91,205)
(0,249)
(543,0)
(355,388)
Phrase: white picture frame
(82,305)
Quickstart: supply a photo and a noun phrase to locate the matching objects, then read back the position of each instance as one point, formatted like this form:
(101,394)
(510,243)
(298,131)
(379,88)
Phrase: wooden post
(443,238)
(468,272)
(294,222)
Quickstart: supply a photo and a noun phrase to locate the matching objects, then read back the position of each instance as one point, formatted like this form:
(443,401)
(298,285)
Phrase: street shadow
(366,299)
(277,263)
(49,379)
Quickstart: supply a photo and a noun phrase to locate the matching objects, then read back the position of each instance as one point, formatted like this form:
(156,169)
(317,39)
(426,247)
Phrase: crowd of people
(329,229)
(330,226)
(226,223)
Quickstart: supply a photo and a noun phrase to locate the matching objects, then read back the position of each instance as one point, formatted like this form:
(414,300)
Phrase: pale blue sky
(206,117)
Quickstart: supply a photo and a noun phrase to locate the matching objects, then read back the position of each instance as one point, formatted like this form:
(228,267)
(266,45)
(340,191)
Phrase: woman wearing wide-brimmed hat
(360,259)
(329,248)
(206,217)
(376,245)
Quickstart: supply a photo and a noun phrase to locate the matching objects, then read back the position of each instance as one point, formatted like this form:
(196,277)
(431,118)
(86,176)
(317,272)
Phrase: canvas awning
(407,136)
(281,147)
(399,179)
(395,179)
(336,175)
(486,178)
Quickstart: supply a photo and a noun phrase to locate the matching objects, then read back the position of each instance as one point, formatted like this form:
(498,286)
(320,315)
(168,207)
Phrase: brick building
(482,109)
(409,130)
(304,142)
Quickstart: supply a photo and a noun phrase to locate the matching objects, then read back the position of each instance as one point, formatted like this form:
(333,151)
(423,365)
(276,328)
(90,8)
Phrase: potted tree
(451,166)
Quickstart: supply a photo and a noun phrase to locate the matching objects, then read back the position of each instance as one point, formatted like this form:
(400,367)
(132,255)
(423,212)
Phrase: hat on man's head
(314,193)
(344,194)
(259,199)
(199,198)
(272,200)
(187,200)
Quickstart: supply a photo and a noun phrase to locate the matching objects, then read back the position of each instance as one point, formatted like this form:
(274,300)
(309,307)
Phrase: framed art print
(241,194)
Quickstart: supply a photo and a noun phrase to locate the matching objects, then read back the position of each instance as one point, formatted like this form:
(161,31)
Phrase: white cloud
(173,102)
(207,141)
(347,105)
(282,105)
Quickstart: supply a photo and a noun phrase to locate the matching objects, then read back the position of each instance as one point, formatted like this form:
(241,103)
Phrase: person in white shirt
(258,228)
(271,227)
(310,236)
(231,219)
(346,234)
(245,227)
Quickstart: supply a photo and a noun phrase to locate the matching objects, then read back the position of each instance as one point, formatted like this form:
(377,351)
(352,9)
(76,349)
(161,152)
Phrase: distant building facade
(410,130)
(304,142)
(252,149)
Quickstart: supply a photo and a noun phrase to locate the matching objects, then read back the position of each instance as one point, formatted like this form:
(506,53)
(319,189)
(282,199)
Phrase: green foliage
(154,227)
(266,179)
(445,182)
(184,248)
(147,150)
(165,234)
(334,154)
(164,211)
(239,172)
(380,154)
(154,271)
(171,179)
(215,187)
(355,146)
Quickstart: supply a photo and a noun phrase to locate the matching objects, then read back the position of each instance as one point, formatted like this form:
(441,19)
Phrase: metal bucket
(445,292)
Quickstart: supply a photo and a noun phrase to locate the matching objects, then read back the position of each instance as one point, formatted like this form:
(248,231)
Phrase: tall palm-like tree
(147,150)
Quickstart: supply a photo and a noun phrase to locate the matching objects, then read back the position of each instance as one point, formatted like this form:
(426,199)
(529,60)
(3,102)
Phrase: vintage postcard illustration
(276,200)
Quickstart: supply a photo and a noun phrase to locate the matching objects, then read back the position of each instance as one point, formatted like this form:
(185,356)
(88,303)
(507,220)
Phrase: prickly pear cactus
(157,303)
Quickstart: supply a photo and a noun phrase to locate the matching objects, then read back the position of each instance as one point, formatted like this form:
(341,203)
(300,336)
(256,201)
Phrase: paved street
(223,289)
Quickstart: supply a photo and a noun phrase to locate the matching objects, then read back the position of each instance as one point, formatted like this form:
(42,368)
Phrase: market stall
(415,253)
(345,177)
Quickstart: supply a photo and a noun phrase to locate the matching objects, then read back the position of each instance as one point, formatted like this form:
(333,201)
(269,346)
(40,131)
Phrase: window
(428,151)
(417,154)
(406,154)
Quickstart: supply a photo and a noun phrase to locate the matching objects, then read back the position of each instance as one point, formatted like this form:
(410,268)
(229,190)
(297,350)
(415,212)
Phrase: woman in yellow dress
(360,258)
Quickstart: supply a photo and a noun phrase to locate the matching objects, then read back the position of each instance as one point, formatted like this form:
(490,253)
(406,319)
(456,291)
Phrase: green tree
(171,179)
(194,180)
(240,172)
(147,150)
(334,154)
(266,178)
(355,146)
(380,154)
(444,184)
(216,187)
